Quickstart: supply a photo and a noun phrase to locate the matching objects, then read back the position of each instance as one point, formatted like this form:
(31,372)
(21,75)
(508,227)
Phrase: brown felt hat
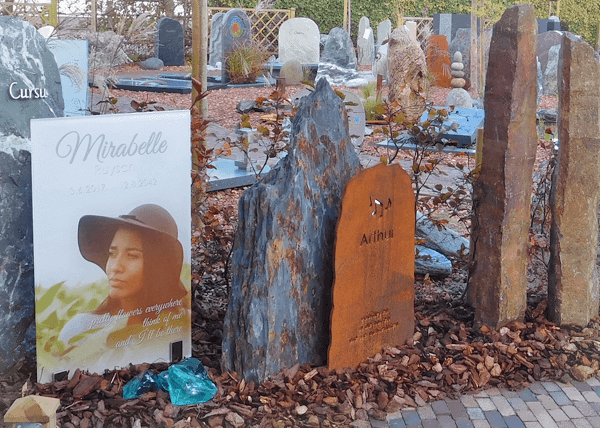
(154,222)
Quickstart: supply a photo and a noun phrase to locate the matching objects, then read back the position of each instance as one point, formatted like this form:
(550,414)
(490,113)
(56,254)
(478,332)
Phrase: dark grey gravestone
(237,31)
(28,90)
(447,24)
(31,89)
(339,49)
(282,262)
(216,39)
(169,42)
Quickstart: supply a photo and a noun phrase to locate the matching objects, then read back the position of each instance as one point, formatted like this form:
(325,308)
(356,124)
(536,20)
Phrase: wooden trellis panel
(424,26)
(38,14)
(265,24)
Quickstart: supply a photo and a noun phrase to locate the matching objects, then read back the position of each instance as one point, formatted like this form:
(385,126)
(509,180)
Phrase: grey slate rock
(31,65)
(152,64)
(216,39)
(445,241)
(17,314)
(550,80)
(282,261)
(428,261)
(339,49)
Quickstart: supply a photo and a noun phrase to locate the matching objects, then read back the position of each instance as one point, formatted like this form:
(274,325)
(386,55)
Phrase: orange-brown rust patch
(373,293)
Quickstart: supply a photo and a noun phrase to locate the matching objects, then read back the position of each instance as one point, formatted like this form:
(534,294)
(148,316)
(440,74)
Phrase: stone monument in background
(299,40)
(169,42)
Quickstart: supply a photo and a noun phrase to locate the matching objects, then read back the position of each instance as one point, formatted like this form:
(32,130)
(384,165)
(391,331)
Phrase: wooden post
(344,25)
(94,17)
(474,60)
(199,49)
(349,17)
(481,52)
(53,13)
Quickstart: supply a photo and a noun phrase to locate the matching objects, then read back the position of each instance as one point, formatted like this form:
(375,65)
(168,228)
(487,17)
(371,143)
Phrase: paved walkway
(542,405)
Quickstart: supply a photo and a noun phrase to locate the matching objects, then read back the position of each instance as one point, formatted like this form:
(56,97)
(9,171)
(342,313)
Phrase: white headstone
(384,30)
(299,39)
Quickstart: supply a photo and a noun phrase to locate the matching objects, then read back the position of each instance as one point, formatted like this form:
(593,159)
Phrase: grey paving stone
(440,407)
(560,397)
(514,422)
(486,404)
(537,388)
(573,393)
(572,412)
(547,401)
(581,386)
(397,423)
(551,386)
(526,415)
(464,423)
(431,423)
(565,424)
(414,426)
(379,424)
(527,395)
(469,401)
(596,407)
(457,410)
(581,423)
(585,409)
(518,403)
(481,394)
(493,391)
(591,396)
(558,415)
(411,417)
(533,425)
(495,419)
(446,421)
(593,381)
(594,421)
(426,412)
(508,393)
(503,405)
(475,413)
(597,389)
(542,414)
(481,423)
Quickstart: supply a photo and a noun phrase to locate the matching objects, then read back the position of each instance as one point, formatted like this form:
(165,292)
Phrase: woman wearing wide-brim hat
(142,258)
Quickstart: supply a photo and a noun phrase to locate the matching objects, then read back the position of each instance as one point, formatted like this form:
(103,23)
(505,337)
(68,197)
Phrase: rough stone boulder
(409,84)
(17,316)
(339,49)
(282,262)
(28,76)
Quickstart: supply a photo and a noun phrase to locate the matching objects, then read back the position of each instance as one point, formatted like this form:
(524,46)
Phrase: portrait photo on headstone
(112,238)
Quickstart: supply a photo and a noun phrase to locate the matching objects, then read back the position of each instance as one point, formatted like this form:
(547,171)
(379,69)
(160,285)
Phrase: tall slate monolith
(282,262)
(572,275)
(502,193)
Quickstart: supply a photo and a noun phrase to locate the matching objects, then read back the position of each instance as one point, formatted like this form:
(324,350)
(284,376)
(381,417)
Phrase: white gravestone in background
(299,40)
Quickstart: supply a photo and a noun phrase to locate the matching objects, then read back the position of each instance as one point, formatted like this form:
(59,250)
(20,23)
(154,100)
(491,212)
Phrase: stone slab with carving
(373,293)
(30,80)
(169,42)
(299,40)
(282,261)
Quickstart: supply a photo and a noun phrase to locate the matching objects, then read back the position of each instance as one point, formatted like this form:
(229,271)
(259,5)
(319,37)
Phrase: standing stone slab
(169,42)
(282,262)
(502,193)
(550,76)
(237,31)
(29,78)
(373,293)
(365,42)
(384,31)
(438,61)
(299,40)
(339,49)
(572,276)
(216,39)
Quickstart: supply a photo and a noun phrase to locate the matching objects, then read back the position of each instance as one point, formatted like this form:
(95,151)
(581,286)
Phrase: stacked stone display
(458,96)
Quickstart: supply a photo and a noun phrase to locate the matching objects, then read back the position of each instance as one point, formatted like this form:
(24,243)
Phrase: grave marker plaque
(112,240)
(299,40)
(169,42)
(373,290)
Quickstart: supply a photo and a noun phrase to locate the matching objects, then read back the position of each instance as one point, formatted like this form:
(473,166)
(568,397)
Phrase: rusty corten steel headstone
(282,262)
(373,291)
(572,277)
(502,193)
